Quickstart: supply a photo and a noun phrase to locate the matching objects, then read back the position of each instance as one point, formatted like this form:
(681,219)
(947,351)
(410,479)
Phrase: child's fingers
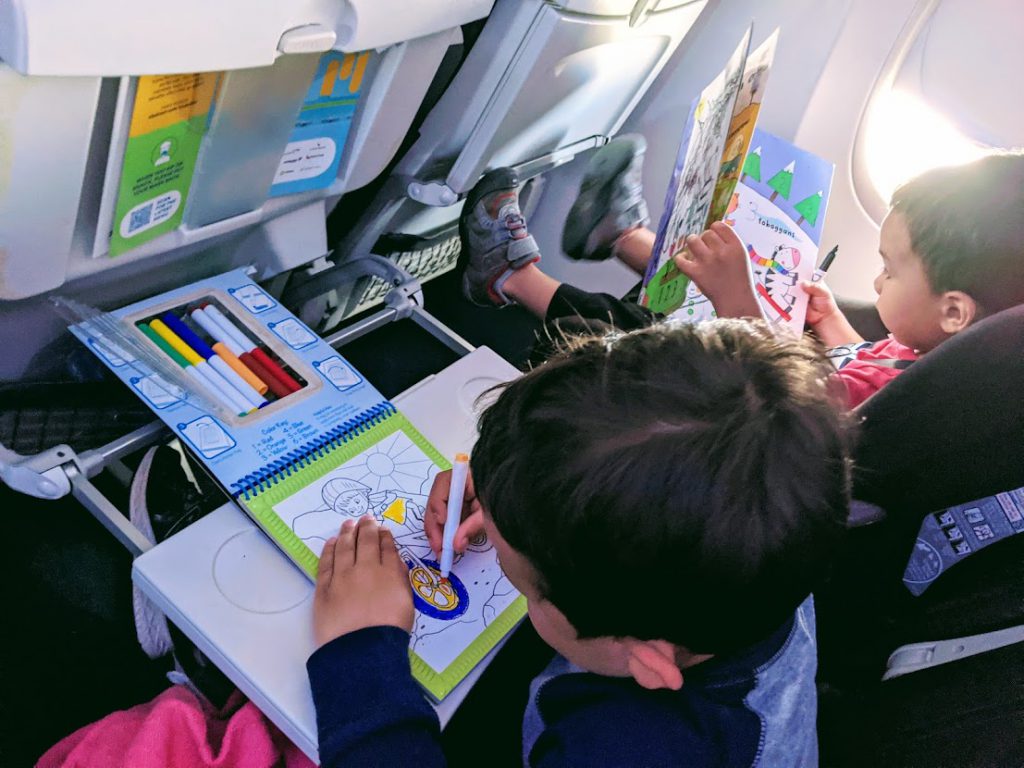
(389,557)
(699,251)
(813,289)
(724,231)
(437,509)
(471,527)
(711,239)
(325,569)
(345,546)
(367,541)
(691,269)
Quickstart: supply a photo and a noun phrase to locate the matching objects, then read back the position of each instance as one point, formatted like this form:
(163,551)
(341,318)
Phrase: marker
(190,370)
(186,334)
(460,471)
(253,350)
(225,391)
(226,348)
(244,348)
(819,273)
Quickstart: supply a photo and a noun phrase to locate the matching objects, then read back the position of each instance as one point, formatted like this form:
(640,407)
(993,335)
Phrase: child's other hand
(361,582)
(821,304)
(719,265)
(437,512)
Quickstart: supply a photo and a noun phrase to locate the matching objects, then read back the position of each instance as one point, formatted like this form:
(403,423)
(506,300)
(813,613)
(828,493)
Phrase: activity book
(773,194)
(301,441)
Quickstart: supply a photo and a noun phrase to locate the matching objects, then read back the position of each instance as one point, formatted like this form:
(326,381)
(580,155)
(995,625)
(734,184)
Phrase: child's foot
(611,200)
(495,242)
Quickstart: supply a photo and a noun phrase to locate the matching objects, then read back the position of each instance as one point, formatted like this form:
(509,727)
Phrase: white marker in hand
(456,493)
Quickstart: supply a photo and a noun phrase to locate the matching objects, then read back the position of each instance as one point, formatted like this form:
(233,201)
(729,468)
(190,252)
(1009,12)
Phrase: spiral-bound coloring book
(303,442)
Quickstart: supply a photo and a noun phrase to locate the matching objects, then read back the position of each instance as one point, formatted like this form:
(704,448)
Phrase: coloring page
(392,481)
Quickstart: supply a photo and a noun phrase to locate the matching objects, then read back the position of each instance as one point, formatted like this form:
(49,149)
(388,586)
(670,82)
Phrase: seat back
(948,430)
(543,81)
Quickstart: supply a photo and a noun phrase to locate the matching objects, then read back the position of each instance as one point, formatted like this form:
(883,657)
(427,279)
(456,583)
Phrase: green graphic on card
(169,118)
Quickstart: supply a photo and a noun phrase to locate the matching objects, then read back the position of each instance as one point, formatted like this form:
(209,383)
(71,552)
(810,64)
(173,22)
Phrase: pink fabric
(862,378)
(173,731)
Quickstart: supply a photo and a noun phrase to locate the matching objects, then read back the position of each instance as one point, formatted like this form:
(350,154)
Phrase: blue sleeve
(369,710)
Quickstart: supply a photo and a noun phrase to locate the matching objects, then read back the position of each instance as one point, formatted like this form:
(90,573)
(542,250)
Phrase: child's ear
(652,663)
(958,310)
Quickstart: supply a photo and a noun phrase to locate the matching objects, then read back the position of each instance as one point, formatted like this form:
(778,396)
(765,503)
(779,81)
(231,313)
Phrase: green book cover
(387,471)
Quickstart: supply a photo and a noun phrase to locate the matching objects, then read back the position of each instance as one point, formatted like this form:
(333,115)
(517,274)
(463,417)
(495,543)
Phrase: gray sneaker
(495,242)
(611,200)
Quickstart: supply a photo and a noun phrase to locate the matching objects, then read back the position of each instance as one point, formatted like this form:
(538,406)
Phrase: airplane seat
(74,98)
(863,316)
(942,433)
(543,81)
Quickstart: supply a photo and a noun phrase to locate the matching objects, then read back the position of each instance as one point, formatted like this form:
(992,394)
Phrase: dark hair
(966,225)
(683,483)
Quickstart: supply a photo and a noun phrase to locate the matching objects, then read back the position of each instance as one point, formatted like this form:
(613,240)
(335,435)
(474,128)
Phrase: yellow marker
(229,395)
(176,343)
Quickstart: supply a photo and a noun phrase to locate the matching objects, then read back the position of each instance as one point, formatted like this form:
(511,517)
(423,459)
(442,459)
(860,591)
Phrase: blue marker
(248,394)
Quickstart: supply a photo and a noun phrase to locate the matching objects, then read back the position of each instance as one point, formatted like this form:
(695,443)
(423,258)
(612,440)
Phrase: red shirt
(862,377)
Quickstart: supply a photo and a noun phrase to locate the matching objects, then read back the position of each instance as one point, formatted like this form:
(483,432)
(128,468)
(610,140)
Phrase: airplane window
(941,97)
(905,137)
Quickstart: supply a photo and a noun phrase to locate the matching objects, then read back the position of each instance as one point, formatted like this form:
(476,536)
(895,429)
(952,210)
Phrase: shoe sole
(492,181)
(607,164)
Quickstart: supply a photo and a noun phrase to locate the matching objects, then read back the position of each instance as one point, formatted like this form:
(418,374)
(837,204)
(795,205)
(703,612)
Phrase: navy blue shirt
(756,707)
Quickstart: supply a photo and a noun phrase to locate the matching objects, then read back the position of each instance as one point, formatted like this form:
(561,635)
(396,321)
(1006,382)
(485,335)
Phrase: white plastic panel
(400,82)
(633,8)
(45,128)
(600,7)
(136,37)
(970,49)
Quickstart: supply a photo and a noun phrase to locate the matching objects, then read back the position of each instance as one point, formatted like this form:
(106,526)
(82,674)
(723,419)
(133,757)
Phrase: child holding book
(952,250)
(666,500)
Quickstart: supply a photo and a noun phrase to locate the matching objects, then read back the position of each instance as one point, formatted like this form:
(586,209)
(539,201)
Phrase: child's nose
(877,285)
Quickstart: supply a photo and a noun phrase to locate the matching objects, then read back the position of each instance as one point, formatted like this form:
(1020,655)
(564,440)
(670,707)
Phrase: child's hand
(361,582)
(719,265)
(437,512)
(825,318)
(821,304)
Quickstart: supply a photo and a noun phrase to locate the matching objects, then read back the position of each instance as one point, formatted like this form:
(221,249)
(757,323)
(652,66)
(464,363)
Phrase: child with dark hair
(952,250)
(666,500)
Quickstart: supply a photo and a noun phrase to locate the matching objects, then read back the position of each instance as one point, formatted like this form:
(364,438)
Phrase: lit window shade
(904,137)
(942,98)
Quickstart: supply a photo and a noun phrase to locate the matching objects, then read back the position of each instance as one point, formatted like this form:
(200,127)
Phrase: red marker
(276,372)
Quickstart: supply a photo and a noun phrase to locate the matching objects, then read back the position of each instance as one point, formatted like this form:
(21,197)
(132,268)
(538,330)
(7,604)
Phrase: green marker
(190,370)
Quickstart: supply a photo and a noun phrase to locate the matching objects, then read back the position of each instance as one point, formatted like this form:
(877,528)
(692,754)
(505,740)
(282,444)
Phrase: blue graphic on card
(948,536)
(108,351)
(293,333)
(313,153)
(156,391)
(338,373)
(234,447)
(207,436)
(253,298)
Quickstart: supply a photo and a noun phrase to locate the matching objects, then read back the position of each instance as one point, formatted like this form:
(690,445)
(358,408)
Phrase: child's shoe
(495,242)
(611,200)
